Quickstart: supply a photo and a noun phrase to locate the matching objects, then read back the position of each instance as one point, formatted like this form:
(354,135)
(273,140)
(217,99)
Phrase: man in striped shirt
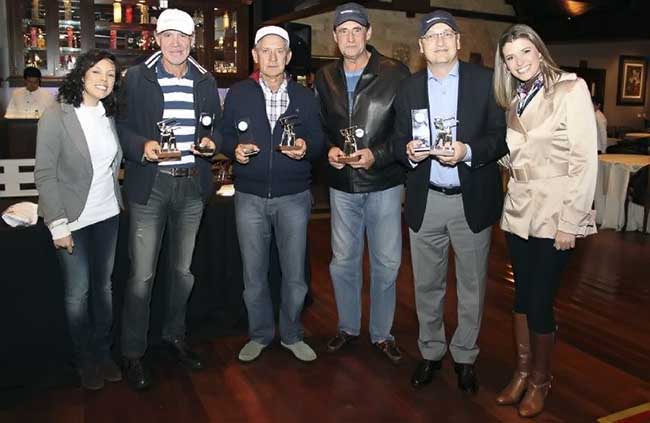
(165,195)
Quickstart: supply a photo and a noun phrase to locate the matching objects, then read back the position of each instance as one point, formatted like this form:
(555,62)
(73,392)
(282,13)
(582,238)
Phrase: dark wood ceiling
(586,20)
(556,20)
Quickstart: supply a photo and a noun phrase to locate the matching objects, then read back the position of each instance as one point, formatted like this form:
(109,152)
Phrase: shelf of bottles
(225,41)
(69,36)
(34,35)
(126,29)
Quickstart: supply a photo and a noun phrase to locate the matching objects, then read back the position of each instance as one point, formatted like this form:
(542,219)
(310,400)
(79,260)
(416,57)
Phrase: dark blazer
(141,106)
(481,126)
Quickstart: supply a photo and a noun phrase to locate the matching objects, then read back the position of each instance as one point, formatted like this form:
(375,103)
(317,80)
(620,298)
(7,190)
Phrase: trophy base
(169,155)
(204,150)
(442,151)
(348,159)
(287,148)
(423,149)
(248,153)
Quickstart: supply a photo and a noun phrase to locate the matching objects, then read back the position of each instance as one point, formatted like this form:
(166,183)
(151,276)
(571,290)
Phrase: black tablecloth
(35,346)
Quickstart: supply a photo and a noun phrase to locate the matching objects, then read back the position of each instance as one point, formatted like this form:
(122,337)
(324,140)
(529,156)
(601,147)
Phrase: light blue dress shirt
(443,103)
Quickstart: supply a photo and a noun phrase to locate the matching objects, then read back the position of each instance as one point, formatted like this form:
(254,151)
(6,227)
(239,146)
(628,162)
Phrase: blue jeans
(379,214)
(87,289)
(175,207)
(287,217)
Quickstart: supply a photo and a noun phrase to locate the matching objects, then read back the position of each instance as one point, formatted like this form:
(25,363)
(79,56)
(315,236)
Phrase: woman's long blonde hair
(505,85)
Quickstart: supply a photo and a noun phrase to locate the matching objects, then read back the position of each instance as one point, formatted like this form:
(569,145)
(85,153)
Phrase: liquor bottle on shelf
(113,39)
(117,12)
(69,34)
(33,37)
(128,14)
(67,10)
(144,13)
(35,9)
(40,43)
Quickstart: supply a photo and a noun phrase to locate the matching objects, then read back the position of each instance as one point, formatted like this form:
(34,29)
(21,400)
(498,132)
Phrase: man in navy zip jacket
(272,189)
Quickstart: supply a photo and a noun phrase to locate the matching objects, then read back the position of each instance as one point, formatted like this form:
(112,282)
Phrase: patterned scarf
(526,91)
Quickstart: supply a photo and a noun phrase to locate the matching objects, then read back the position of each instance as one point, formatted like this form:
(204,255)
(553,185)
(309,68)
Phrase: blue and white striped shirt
(178,94)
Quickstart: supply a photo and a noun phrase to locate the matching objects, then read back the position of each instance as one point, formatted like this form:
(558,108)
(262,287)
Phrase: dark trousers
(88,295)
(537,267)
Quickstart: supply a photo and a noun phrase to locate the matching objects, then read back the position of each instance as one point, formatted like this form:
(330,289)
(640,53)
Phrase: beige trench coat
(553,163)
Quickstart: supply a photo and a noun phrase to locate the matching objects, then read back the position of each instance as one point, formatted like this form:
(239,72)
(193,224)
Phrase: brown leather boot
(513,392)
(539,383)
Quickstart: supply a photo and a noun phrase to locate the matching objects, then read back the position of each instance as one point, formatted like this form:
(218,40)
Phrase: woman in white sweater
(77,162)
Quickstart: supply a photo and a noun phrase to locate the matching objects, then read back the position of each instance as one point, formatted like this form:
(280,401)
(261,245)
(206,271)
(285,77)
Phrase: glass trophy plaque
(245,137)
(443,145)
(421,130)
(206,122)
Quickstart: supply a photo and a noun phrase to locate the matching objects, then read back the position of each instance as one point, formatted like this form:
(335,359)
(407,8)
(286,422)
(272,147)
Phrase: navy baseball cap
(351,12)
(438,16)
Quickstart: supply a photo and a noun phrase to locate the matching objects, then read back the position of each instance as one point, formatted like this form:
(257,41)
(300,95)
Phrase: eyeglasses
(445,35)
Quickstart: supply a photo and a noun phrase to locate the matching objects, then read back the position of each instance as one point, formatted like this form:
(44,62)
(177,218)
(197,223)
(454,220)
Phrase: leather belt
(527,173)
(179,172)
(445,190)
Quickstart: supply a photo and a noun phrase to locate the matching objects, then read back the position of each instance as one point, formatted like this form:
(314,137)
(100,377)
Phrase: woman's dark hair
(71,91)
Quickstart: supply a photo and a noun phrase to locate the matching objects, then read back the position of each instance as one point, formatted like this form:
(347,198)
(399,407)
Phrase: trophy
(168,149)
(288,141)
(245,136)
(350,136)
(443,145)
(206,121)
(421,130)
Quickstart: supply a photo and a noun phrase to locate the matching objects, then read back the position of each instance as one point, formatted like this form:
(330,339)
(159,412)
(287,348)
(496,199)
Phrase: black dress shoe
(182,352)
(466,377)
(424,372)
(340,340)
(137,375)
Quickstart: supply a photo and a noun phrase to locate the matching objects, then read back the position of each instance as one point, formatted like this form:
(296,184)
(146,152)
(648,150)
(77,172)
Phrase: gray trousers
(444,221)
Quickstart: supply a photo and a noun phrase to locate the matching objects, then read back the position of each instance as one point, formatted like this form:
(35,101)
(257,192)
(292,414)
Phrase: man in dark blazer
(452,198)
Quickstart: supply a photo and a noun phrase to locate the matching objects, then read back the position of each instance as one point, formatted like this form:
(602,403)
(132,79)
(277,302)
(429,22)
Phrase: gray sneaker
(301,351)
(251,351)
(109,371)
(90,378)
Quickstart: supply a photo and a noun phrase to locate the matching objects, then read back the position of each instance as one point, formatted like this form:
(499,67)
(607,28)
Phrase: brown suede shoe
(390,350)
(340,340)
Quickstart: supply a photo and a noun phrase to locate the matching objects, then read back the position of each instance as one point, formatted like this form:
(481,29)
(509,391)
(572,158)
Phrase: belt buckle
(519,174)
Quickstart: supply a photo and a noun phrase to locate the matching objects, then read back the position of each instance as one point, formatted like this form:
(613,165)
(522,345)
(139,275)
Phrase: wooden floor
(601,364)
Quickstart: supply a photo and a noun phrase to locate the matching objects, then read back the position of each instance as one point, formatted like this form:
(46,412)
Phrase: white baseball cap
(271,30)
(176,20)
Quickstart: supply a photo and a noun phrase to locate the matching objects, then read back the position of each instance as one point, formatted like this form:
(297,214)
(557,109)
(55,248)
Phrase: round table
(613,176)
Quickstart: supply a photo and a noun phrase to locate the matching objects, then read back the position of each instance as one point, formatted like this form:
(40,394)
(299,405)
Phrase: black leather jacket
(372,111)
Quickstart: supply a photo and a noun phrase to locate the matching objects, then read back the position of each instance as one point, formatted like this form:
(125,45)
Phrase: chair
(638,192)
(17,178)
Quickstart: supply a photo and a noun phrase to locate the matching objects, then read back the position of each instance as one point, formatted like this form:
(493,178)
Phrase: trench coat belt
(527,173)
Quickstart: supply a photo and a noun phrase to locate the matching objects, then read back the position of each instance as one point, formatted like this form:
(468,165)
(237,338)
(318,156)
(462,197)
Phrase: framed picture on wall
(632,75)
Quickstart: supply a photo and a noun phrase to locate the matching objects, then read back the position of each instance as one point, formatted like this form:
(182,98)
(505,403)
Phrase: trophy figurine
(421,129)
(288,141)
(168,149)
(443,145)
(350,136)
(245,137)
(206,122)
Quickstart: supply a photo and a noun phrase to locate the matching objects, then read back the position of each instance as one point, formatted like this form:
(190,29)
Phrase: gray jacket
(63,171)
